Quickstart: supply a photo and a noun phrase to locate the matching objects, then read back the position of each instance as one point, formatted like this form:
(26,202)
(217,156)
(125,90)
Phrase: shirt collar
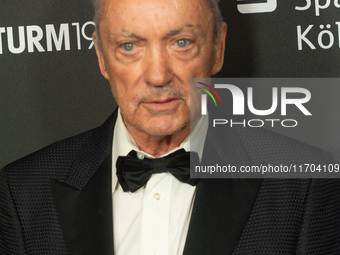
(123,142)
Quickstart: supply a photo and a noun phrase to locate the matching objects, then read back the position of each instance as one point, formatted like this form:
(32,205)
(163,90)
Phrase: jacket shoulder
(266,145)
(56,159)
(51,161)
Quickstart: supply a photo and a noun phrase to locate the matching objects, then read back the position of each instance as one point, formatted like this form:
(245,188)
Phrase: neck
(158,145)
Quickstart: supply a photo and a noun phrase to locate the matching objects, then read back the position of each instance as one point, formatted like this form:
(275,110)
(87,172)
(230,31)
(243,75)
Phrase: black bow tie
(134,173)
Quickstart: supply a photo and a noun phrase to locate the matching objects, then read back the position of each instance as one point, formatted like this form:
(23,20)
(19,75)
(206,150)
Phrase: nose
(158,67)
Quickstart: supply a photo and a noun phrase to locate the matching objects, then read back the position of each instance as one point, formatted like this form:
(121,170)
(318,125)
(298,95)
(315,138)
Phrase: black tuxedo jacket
(58,200)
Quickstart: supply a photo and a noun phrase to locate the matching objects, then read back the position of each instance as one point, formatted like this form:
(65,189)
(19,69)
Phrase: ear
(220,47)
(100,57)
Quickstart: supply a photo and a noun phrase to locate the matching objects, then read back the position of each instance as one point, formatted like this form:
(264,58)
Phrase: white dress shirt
(154,220)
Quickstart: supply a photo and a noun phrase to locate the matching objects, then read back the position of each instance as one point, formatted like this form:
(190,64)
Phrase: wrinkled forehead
(155,14)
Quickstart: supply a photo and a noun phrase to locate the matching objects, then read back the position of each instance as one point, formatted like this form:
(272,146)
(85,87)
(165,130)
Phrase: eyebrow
(178,31)
(128,34)
(131,35)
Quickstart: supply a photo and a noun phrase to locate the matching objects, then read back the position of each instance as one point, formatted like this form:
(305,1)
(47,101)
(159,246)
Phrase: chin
(164,128)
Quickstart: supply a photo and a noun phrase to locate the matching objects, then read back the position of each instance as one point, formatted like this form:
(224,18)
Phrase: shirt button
(157,196)
(140,155)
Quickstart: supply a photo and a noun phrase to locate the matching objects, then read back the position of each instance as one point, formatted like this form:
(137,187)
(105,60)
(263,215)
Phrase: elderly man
(78,196)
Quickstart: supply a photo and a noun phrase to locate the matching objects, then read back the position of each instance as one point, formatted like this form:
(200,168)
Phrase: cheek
(199,67)
(124,82)
(123,96)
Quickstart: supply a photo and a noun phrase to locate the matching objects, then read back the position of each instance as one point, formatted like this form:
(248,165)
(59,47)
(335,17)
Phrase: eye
(128,46)
(182,43)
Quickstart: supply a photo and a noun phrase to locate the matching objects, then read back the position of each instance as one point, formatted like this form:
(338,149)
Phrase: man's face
(151,49)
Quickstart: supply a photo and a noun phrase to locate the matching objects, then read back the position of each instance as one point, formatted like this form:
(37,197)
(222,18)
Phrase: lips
(162,104)
(161,101)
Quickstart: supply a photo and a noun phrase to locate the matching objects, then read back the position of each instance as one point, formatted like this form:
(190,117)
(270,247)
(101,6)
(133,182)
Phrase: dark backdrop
(51,87)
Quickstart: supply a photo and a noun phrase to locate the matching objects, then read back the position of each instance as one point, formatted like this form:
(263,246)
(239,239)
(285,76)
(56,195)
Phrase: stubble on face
(156,94)
(151,83)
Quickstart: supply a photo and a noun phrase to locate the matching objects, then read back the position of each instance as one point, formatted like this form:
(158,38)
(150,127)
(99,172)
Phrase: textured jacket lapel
(84,199)
(85,215)
(222,206)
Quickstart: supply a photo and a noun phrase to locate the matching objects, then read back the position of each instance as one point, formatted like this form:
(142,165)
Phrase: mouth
(162,104)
